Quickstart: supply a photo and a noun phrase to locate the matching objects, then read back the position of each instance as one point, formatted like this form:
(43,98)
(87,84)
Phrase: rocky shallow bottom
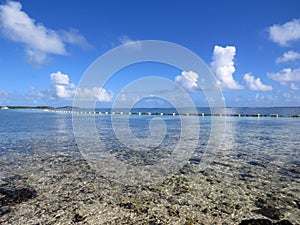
(61,188)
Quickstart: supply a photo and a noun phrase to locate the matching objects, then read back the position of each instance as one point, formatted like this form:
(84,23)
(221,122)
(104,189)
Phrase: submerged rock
(256,222)
(16,195)
(78,218)
(264,222)
(12,191)
(270,212)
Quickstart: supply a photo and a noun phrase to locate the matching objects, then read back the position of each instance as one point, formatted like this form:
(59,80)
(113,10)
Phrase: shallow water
(253,172)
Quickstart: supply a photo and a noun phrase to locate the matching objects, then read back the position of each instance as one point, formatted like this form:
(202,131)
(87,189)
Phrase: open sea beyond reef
(253,173)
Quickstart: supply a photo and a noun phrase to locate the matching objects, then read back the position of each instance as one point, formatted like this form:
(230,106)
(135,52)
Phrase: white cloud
(256,84)
(61,91)
(60,83)
(39,41)
(62,88)
(188,80)
(96,93)
(223,66)
(288,56)
(286,33)
(74,37)
(286,75)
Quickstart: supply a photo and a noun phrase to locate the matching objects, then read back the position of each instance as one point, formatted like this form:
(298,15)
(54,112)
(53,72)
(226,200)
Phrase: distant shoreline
(38,107)
(76,107)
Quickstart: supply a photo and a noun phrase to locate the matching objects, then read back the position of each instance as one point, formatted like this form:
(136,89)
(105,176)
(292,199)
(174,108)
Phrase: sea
(153,168)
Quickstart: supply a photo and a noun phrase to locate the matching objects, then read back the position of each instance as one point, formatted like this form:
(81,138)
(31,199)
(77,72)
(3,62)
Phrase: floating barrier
(274,115)
(174,114)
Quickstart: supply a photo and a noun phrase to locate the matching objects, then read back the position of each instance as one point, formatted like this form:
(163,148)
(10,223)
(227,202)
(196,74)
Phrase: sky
(252,47)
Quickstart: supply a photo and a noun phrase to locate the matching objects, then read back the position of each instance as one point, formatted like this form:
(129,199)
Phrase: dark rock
(256,222)
(264,222)
(211,181)
(127,205)
(78,218)
(4,211)
(270,212)
(260,202)
(195,161)
(294,170)
(283,222)
(245,175)
(240,155)
(254,163)
(16,195)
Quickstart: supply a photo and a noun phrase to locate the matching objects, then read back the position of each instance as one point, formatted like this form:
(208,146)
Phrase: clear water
(258,157)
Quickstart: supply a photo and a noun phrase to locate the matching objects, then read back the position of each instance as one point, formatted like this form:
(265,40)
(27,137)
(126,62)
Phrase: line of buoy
(173,114)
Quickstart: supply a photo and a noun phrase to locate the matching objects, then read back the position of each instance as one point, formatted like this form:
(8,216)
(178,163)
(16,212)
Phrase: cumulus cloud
(64,89)
(188,80)
(61,90)
(288,56)
(39,41)
(287,75)
(61,85)
(223,66)
(286,33)
(256,84)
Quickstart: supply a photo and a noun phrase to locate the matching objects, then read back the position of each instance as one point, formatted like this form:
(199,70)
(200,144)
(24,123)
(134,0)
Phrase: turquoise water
(259,154)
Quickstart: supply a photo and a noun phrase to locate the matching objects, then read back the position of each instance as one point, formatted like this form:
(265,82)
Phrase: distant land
(38,107)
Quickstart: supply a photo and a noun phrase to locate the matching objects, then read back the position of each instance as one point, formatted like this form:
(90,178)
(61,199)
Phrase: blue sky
(253,47)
